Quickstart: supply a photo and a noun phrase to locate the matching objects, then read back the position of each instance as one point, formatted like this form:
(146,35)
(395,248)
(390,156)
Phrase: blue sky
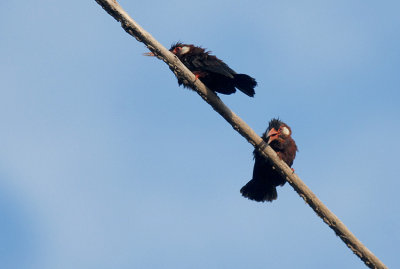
(106,163)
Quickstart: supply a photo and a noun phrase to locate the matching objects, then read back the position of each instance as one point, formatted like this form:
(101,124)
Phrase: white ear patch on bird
(184,50)
(285,131)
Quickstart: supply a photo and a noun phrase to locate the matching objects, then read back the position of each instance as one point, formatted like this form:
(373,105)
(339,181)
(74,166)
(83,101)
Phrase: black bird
(265,178)
(213,72)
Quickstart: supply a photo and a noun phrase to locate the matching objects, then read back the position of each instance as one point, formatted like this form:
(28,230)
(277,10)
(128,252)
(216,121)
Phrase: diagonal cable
(181,71)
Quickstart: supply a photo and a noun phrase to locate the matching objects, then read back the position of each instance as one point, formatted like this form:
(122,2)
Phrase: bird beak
(148,54)
(273,135)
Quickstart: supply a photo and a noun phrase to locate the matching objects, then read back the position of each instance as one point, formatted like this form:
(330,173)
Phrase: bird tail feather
(258,191)
(245,83)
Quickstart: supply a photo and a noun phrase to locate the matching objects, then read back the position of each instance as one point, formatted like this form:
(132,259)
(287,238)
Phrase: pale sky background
(106,163)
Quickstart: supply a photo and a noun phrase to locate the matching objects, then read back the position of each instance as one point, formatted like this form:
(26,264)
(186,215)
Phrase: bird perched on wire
(213,72)
(265,178)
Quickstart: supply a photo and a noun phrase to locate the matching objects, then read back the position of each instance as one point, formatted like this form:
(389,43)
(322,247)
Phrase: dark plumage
(213,72)
(265,179)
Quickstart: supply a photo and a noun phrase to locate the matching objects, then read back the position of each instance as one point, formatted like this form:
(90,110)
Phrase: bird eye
(285,131)
(176,50)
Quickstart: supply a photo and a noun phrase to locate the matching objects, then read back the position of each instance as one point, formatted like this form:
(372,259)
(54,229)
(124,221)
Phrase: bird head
(178,49)
(277,131)
(279,137)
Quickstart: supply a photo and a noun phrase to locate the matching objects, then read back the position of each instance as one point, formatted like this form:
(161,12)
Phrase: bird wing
(261,167)
(214,65)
